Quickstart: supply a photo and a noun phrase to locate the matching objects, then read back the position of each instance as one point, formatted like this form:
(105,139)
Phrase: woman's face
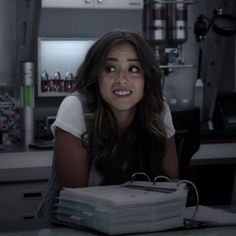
(121,83)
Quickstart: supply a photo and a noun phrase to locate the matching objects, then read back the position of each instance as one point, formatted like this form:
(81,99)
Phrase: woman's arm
(72,164)
(170,161)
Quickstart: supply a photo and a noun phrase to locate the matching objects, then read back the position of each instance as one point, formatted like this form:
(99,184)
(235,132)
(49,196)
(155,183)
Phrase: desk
(62,231)
(37,164)
(217,154)
(23,180)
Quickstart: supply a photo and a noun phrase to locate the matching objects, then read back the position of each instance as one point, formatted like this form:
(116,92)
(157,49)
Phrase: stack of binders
(133,207)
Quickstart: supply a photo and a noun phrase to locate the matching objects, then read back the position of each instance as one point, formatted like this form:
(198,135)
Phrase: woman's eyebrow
(112,59)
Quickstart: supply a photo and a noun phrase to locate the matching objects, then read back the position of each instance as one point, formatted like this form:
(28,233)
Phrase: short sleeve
(70,117)
(167,120)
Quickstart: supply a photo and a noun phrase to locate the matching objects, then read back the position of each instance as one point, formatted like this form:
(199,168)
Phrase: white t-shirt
(70,117)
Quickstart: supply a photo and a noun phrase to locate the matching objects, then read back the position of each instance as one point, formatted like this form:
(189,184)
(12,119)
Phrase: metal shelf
(53,94)
(171,1)
(177,66)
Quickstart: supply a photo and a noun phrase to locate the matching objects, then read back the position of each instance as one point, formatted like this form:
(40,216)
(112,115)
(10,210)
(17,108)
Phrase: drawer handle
(28,216)
(32,195)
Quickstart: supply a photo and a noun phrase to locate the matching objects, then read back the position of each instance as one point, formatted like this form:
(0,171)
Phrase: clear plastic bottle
(198,94)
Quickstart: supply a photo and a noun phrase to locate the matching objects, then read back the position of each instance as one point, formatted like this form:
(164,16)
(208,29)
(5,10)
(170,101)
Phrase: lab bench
(24,175)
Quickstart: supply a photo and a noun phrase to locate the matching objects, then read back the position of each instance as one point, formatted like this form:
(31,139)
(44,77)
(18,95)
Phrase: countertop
(59,231)
(215,153)
(35,163)
(25,165)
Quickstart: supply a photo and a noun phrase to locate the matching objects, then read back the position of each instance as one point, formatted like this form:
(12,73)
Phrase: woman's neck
(124,119)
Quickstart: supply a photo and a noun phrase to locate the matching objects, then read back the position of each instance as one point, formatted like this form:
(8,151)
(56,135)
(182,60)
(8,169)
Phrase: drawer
(19,201)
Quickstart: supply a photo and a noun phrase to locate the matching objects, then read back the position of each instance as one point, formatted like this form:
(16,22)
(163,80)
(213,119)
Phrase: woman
(117,122)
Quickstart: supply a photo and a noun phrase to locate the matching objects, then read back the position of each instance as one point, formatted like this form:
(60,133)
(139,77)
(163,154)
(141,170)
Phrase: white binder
(133,207)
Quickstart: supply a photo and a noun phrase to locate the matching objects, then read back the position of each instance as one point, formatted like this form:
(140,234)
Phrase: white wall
(7,42)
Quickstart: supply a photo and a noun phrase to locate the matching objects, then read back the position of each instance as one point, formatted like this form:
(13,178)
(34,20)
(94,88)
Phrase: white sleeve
(70,117)
(167,119)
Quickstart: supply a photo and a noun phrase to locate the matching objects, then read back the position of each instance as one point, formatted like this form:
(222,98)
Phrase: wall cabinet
(109,4)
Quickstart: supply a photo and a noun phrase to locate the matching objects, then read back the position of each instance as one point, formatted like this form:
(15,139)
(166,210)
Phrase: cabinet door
(67,3)
(19,201)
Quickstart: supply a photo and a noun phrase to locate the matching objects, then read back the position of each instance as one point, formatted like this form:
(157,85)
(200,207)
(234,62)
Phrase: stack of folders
(133,207)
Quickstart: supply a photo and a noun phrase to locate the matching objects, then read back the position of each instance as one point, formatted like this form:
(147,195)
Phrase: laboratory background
(42,43)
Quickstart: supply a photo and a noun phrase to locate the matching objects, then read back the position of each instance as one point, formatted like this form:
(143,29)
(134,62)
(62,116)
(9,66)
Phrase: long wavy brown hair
(142,147)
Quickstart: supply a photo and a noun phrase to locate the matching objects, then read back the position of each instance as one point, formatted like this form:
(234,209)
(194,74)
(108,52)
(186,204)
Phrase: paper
(120,209)
(210,216)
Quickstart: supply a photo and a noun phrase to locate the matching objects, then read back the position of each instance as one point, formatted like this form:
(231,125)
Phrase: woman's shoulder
(166,108)
(167,119)
(70,116)
(72,100)
(71,105)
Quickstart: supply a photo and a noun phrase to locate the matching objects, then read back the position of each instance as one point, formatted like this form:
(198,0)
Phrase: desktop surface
(60,230)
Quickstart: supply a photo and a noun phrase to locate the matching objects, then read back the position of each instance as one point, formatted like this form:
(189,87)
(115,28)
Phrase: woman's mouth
(122,92)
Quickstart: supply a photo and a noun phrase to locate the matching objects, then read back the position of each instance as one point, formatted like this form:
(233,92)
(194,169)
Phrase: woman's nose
(122,76)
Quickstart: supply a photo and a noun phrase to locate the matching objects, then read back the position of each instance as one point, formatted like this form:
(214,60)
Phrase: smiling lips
(122,92)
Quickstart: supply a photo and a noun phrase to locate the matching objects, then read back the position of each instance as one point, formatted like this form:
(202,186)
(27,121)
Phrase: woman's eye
(109,69)
(134,69)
